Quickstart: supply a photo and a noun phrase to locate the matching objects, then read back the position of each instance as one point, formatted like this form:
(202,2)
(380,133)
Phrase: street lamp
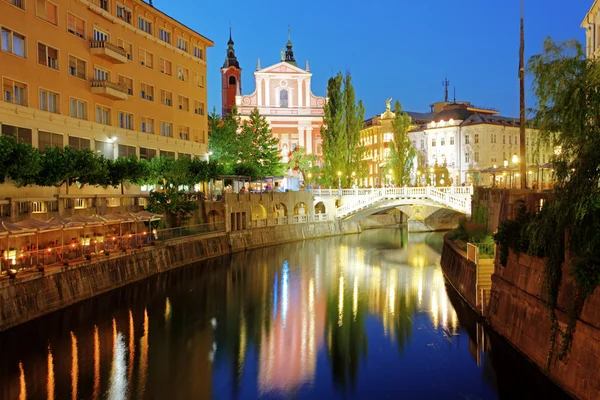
(515,160)
(339,179)
(431,175)
(390,178)
(353,177)
(309,178)
(418,178)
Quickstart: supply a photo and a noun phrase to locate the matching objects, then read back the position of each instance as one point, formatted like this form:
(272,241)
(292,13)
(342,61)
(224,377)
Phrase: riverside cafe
(35,243)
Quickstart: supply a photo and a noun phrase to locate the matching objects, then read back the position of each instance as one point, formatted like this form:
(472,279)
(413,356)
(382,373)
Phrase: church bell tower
(231,79)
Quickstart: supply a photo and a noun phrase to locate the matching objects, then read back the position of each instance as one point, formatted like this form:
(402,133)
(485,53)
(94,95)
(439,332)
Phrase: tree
(304,163)
(223,139)
(402,153)
(25,164)
(6,148)
(125,169)
(342,150)
(258,146)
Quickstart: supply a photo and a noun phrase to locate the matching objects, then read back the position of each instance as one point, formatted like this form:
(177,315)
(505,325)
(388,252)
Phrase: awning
(146,216)
(87,221)
(16,230)
(67,224)
(116,218)
(40,226)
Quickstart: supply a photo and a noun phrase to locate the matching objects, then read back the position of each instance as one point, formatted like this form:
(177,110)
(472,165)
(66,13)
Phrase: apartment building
(116,76)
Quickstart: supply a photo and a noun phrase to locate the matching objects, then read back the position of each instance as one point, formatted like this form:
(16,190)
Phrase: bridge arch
(259,212)
(301,209)
(320,208)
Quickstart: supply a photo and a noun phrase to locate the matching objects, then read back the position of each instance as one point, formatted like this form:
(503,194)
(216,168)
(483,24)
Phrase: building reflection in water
(279,314)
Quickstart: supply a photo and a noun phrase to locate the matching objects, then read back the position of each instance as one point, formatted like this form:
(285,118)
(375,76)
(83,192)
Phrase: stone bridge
(428,208)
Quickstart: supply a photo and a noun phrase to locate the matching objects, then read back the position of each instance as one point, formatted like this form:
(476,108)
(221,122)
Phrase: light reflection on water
(354,316)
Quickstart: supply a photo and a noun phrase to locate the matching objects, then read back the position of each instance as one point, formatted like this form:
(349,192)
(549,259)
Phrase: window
(13,42)
(49,101)
(20,134)
(47,56)
(467,157)
(182,44)
(199,52)
(145,25)
(493,138)
(126,83)
(184,132)
(232,80)
(166,129)
(184,103)
(146,58)
(147,154)
(476,156)
(198,108)
(125,121)
(126,151)
(77,67)
(200,80)
(124,13)
(101,74)
(164,35)
(75,25)
(14,92)
(146,92)
(102,115)
(451,140)
(165,66)
(166,98)
(79,143)
(100,36)
(17,3)
(443,141)
(476,138)
(184,155)
(78,108)
(503,139)
(493,158)
(128,47)
(422,143)
(283,98)
(47,139)
(199,136)
(47,11)
(103,4)
(433,142)
(164,153)
(467,141)
(105,149)
(183,74)
(147,125)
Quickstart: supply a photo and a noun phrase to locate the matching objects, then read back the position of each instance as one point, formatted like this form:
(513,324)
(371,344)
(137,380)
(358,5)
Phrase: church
(282,95)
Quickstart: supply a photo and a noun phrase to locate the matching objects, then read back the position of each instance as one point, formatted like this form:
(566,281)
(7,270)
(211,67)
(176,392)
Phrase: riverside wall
(33,294)
(460,272)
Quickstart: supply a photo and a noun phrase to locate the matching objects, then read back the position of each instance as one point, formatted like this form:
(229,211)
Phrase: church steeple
(230,58)
(289,53)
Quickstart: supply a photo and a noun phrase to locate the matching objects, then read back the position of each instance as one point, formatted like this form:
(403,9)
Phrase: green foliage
(304,163)
(566,85)
(24,165)
(223,139)
(177,205)
(479,214)
(342,150)
(258,147)
(402,153)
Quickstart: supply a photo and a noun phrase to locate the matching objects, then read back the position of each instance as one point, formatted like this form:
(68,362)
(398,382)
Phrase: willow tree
(402,153)
(342,150)
(567,87)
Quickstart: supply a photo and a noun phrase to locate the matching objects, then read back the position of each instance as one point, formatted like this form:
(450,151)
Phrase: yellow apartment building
(116,76)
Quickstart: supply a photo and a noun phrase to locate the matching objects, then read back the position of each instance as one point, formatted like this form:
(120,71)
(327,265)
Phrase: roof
(455,113)
(417,116)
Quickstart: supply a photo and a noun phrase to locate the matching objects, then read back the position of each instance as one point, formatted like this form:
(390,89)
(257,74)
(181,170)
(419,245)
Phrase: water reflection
(313,319)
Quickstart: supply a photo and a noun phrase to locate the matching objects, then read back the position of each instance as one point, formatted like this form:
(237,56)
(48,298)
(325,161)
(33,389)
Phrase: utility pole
(445,85)
(522,136)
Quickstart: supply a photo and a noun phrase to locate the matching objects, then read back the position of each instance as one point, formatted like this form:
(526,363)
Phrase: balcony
(109,89)
(108,51)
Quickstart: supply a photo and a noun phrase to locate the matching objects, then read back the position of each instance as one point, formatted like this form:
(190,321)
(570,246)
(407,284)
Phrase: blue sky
(396,48)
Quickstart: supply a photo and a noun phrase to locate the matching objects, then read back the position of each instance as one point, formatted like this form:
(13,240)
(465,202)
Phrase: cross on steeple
(289,53)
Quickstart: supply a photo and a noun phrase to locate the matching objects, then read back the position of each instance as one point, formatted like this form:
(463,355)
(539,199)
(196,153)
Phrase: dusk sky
(399,49)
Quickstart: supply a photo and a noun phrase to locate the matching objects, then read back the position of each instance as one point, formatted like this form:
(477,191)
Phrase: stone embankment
(34,294)
(517,312)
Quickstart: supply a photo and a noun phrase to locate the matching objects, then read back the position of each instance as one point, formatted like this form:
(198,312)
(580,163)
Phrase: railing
(299,219)
(408,191)
(109,85)
(280,221)
(105,44)
(320,217)
(95,246)
(363,202)
(485,250)
(258,223)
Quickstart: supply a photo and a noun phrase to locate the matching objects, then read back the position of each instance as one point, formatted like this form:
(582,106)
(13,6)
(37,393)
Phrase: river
(365,316)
